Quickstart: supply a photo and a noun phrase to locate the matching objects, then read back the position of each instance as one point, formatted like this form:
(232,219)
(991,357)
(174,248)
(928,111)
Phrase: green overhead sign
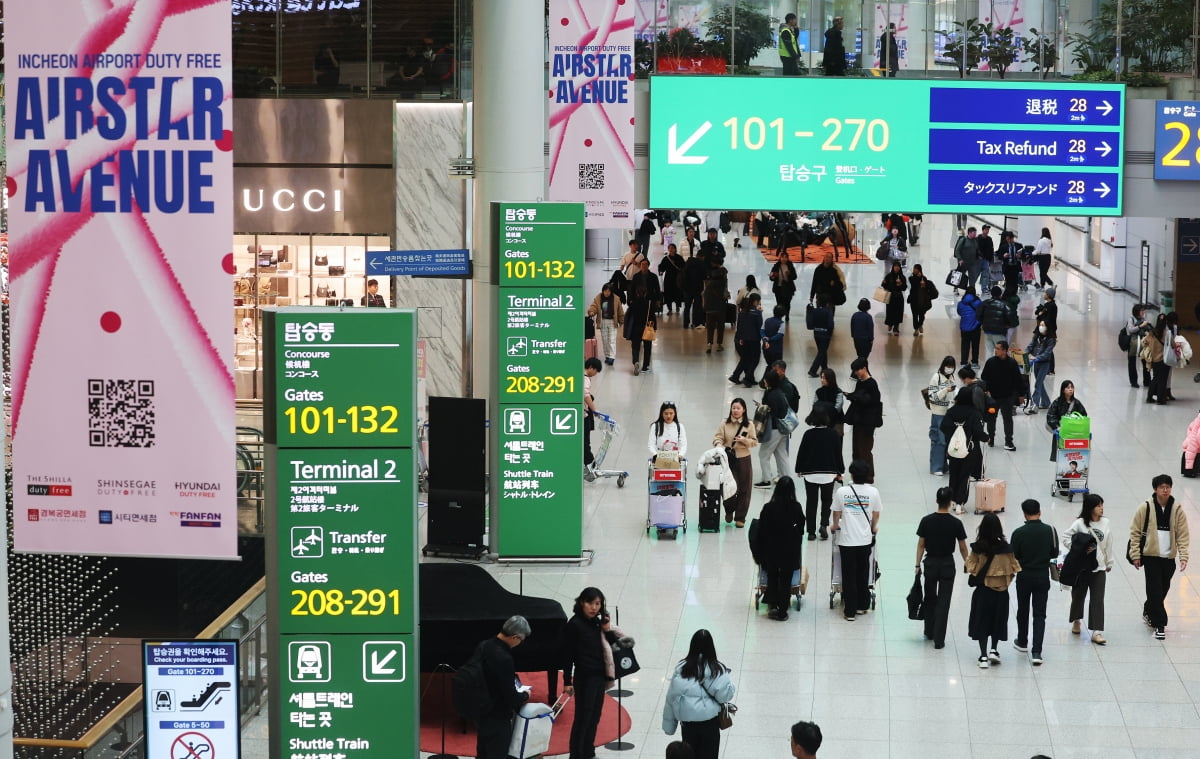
(886,144)
(538,264)
(342,534)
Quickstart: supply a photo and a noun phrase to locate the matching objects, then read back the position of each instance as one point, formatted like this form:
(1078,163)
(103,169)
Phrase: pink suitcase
(989,495)
(591,348)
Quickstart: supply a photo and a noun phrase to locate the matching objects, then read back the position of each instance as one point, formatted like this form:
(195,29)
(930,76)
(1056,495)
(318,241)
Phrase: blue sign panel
(1079,106)
(1187,237)
(1023,189)
(1025,148)
(418,263)
(1177,140)
(191,699)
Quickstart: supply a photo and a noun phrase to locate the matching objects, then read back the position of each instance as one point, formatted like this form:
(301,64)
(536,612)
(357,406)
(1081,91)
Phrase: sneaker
(994,656)
(708,349)
(983,662)
(812,536)
(733,379)
(1160,633)
(763,484)
(1030,410)
(848,617)
(647,370)
(637,368)
(1022,647)
(1036,660)
(1146,619)
(824,533)
(939,474)
(1009,447)
(608,361)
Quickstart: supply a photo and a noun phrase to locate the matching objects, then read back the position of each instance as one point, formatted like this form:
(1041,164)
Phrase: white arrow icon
(1104,148)
(675,153)
(1105,107)
(1103,189)
(373,264)
(562,423)
(379,666)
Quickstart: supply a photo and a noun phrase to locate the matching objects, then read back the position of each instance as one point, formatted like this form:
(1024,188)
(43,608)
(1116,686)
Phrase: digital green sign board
(887,144)
(339,416)
(537,262)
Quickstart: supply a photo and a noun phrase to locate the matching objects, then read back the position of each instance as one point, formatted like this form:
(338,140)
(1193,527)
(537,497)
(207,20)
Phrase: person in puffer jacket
(700,685)
(968,325)
(1191,447)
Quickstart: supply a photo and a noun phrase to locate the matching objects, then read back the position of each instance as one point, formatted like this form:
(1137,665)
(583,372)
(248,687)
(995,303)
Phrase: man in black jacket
(996,316)
(827,280)
(1003,378)
(496,727)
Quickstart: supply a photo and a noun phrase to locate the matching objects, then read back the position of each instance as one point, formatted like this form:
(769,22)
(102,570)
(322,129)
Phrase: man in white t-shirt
(856,509)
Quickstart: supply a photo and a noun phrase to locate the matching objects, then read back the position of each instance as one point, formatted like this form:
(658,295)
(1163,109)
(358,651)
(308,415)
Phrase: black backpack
(472,698)
(995,317)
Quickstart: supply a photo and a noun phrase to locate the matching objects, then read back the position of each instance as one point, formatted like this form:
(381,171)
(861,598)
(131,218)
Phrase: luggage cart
(1071,480)
(835,574)
(760,587)
(607,426)
(666,500)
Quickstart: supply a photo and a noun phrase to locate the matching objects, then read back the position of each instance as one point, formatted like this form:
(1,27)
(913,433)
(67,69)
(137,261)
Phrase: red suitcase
(591,348)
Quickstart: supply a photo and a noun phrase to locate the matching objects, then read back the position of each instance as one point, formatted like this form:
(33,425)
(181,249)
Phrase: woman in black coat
(783,284)
(963,413)
(895,284)
(776,545)
(864,415)
(819,462)
(921,295)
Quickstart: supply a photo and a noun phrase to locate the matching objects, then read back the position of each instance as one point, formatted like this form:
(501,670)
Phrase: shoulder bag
(1055,569)
(789,422)
(648,332)
(1142,542)
(725,715)
(976,580)
(624,660)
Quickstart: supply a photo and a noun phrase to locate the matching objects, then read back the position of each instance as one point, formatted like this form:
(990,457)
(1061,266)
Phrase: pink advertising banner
(591,108)
(120,194)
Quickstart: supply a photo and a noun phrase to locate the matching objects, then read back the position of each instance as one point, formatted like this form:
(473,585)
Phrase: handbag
(976,580)
(649,332)
(1055,568)
(337,271)
(925,397)
(957,278)
(321,261)
(881,294)
(725,715)
(624,661)
(881,252)
(916,597)
(789,422)
(1142,541)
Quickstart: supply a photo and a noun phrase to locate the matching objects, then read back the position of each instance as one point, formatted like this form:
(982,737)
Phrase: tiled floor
(875,687)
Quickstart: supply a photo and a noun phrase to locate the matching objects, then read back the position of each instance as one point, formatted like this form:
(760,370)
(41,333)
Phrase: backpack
(1123,340)
(994,317)
(762,421)
(472,698)
(958,447)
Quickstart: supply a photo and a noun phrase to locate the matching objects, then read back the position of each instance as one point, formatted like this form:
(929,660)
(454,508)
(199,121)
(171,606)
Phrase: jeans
(589,700)
(937,444)
(774,447)
(969,340)
(1093,586)
(973,273)
(940,572)
(813,490)
(985,276)
(822,359)
(1006,413)
(856,568)
(703,737)
(1040,370)
(1035,590)
(1158,572)
(993,339)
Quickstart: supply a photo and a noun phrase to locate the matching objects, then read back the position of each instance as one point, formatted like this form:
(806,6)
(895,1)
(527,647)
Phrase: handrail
(134,699)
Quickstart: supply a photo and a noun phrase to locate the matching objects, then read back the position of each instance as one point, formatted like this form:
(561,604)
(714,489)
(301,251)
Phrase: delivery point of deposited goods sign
(994,147)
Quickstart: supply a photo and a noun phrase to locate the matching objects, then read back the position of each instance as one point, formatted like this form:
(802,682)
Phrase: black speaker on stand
(457,478)
(444,670)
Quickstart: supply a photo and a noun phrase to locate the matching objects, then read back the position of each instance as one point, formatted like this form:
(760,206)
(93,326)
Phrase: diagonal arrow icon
(562,422)
(379,665)
(677,153)
(1105,107)
(1103,189)
(1104,148)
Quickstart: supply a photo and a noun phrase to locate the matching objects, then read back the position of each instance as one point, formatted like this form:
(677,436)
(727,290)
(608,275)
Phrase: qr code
(120,413)
(591,176)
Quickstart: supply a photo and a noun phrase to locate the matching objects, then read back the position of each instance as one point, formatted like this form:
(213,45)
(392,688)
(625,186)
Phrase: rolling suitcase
(989,496)
(710,510)
(731,314)
(591,348)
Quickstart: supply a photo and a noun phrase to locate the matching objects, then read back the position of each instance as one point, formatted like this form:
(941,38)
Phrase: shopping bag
(624,661)
(1074,427)
(531,731)
(957,279)
(916,597)
(881,294)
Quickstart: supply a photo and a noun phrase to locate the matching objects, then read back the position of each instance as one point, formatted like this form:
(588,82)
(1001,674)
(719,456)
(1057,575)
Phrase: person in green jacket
(789,51)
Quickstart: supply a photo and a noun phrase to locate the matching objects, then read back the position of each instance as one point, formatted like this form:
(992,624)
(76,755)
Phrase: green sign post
(926,145)
(339,422)
(537,261)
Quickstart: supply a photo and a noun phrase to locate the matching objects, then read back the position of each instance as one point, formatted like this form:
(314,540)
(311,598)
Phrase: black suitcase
(731,312)
(710,510)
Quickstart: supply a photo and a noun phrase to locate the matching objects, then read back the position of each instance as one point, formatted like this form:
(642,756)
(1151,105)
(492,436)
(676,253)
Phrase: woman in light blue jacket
(700,685)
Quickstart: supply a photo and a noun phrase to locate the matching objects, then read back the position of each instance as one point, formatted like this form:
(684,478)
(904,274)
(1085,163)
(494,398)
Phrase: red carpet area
(815,254)
(463,743)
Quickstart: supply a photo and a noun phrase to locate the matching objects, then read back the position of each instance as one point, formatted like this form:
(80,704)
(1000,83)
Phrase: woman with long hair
(1043,256)
(776,545)
(736,432)
(819,462)
(921,295)
(940,391)
(783,283)
(1091,520)
(1152,352)
(831,397)
(667,433)
(992,564)
(609,313)
(964,414)
(747,338)
(698,688)
(895,284)
(588,666)
(1065,403)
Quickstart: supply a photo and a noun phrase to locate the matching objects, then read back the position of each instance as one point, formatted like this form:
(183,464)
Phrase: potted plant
(753,31)
(1043,52)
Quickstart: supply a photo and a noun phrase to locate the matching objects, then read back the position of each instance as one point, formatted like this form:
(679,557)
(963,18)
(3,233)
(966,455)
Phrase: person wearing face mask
(1041,354)
(941,390)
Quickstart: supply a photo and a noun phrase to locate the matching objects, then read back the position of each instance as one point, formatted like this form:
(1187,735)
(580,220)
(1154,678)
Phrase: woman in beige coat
(737,433)
(992,563)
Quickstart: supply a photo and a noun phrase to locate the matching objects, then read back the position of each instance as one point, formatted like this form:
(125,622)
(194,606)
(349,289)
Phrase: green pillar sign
(339,422)
(537,260)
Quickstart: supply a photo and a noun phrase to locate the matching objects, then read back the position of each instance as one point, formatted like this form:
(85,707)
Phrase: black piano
(461,604)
